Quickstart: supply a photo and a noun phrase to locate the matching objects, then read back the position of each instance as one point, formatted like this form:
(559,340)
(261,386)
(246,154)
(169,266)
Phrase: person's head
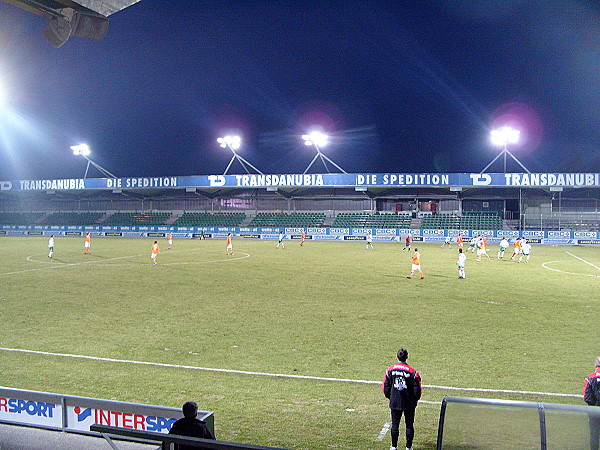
(460,250)
(598,361)
(402,355)
(190,409)
(51,235)
(416,250)
(228,234)
(156,242)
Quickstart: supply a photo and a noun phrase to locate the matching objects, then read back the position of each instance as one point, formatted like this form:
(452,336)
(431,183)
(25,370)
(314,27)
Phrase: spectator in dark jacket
(191,426)
(402,387)
(591,395)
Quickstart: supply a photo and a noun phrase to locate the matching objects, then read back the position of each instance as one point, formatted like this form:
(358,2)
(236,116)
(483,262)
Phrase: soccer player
(407,244)
(302,236)
(516,248)
(448,242)
(481,250)
(462,259)
(280,241)
(170,240)
(51,246)
(503,246)
(416,264)
(473,244)
(459,241)
(402,387)
(229,250)
(369,240)
(525,251)
(87,246)
(155,250)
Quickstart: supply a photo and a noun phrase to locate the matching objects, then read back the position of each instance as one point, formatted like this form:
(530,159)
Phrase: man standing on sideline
(87,246)
(402,386)
(155,250)
(170,240)
(416,264)
(190,426)
(50,246)
(591,395)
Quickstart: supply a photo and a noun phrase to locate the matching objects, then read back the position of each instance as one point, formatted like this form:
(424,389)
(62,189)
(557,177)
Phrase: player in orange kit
(170,239)
(155,249)
(229,250)
(416,264)
(302,236)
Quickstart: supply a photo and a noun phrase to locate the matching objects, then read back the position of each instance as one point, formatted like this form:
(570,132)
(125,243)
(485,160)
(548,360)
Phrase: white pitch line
(583,260)
(59,265)
(383,431)
(273,375)
(569,273)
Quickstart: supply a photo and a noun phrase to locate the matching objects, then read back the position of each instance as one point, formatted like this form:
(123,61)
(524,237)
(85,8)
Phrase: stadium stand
(440,221)
(137,219)
(10,218)
(202,219)
(71,219)
(366,220)
(268,219)
(481,221)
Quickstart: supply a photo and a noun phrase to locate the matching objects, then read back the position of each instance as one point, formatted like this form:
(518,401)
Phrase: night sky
(400,86)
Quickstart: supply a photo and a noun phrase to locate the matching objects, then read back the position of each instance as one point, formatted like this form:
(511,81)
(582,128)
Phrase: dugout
(507,424)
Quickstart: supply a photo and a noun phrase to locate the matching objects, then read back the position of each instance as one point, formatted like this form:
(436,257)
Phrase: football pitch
(288,346)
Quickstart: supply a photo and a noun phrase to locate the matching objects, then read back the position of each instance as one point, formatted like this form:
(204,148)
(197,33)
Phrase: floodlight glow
(504,136)
(81,149)
(316,138)
(233,142)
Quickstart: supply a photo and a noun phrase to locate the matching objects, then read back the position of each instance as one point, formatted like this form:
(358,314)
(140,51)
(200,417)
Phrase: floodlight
(504,136)
(317,140)
(233,143)
(81,149)
(84,150)
(501,137)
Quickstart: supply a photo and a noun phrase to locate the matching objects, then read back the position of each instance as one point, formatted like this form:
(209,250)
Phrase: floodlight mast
(84,150)
(318,140)
(501,137)
(233,143)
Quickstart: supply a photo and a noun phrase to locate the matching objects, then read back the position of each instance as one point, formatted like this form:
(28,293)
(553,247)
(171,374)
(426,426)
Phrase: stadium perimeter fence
(476,423)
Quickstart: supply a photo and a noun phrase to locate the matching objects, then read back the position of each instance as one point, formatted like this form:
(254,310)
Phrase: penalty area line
(272,375)
(583,260)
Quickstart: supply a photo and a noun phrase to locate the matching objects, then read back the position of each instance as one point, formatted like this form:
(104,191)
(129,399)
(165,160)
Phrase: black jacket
(402,386)
(591,388)
(192,428)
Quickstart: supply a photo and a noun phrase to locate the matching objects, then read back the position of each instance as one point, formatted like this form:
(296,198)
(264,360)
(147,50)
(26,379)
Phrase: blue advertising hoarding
(378,180)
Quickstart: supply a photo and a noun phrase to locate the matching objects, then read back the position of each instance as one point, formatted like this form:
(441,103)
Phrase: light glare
(505,135)
(233,142)
(81,149)
(316,138)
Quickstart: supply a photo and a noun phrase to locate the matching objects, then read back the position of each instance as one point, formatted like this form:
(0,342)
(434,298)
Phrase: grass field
(327,309)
